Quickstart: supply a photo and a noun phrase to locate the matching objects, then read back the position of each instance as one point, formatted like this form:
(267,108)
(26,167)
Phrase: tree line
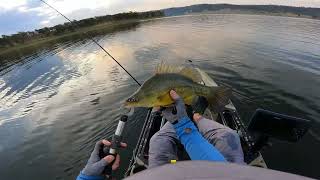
(25,37)
(299,11)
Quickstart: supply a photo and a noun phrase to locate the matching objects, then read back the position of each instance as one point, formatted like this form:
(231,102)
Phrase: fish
(154,92)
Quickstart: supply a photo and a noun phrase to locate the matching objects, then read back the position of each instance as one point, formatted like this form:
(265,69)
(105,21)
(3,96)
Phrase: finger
(103,162)
(116,163)
(197,117)
(109,159)
(106,142)
(123,145)
(97,147)
(98,144)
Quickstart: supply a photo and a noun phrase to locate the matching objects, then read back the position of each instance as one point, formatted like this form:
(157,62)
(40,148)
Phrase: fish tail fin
(218,97)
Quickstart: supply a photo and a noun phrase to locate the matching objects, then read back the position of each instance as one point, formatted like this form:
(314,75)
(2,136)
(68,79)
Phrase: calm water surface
(55,104)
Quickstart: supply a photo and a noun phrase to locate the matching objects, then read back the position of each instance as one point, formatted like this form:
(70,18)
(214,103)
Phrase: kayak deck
(228,117)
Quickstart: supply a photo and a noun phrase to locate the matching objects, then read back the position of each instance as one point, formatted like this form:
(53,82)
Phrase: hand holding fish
(169,113)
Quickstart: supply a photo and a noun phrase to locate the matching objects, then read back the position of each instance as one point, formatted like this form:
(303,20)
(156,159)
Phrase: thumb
(174,95)
(176,98)
(181,110)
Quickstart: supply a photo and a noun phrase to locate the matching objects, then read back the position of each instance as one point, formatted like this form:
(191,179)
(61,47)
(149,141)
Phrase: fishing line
(94,41)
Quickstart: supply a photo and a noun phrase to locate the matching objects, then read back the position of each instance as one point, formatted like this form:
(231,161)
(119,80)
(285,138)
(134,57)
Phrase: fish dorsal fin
(191,73)
(164,68)
(188,72)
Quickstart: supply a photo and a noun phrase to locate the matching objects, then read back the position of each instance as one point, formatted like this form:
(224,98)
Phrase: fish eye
(132,99)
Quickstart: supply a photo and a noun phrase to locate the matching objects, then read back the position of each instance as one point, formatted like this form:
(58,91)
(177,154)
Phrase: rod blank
(94,41)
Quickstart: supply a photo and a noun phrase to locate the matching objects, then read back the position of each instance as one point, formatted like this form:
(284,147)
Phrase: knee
(161,150)
(154,139)
(227,139)
(232,139)
(157,141)
(229,145)
(231,133)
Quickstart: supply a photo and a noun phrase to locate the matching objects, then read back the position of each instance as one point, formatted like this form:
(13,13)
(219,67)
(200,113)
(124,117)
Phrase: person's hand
(96,165)
(176,112)
(197,117)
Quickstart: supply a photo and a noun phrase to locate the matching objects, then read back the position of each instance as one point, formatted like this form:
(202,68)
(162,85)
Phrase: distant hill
(245,9)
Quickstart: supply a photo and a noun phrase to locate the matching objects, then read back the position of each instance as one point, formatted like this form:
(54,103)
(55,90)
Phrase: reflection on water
(56,103)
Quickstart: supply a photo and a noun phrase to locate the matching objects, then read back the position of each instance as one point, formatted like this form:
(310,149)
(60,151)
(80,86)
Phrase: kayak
(263,126)
(228,117)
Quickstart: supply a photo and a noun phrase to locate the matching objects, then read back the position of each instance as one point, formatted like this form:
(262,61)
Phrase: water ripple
(55,104)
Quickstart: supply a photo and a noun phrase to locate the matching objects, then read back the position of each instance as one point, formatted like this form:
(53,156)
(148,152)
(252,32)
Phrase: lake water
(55,104)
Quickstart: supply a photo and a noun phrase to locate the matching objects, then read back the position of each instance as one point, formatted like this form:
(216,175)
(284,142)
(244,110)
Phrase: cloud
(13,21)
(6,5)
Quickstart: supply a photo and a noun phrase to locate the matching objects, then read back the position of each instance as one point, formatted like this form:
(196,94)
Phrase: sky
(27,15)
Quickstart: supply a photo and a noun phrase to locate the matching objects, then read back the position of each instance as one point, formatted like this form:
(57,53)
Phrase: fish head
(132,101)
(153,92)
(143,99)
(138,99)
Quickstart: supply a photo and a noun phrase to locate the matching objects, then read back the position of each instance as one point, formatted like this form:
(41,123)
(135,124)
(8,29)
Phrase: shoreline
(81,33)
(248,13)
(113,26)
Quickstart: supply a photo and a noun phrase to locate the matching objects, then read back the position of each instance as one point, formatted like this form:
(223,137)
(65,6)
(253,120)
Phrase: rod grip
(115,145)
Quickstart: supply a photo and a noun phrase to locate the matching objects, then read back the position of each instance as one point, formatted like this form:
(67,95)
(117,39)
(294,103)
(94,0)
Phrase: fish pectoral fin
(190,100)
(165,99)
(219,97)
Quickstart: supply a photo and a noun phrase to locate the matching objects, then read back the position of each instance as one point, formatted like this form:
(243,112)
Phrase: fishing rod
(117,137)
(94,41)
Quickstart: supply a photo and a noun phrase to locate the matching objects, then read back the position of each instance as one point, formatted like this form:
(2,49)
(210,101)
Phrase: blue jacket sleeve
(196,146)
(85,177)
